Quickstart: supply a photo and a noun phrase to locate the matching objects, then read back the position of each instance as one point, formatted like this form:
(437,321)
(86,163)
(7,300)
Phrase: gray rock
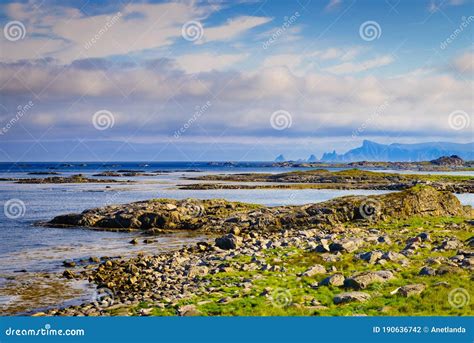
(394,256)
(450,244)
(69,274)
(322,248)
(334,280)
(362,280)
(94,259)
(470,241)
(235,231)
(228,242)
(425,236)
(427,271)
(344,246)
(188,310)
(351,297)
(371,256)
(410,290)
(314,270)
(384,239)
(69,264)
(198,271)
(171,207)
(324,245)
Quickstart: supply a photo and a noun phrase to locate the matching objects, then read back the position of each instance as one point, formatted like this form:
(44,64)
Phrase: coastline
(178,183)
(327,266)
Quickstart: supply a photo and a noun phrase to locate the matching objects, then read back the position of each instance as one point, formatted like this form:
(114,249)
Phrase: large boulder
(351,297)
(333,280)
(410,290)
(364,279)
(422,201)
(314,270)
(228,242)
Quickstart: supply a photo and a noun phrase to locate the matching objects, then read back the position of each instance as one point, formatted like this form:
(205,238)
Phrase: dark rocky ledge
(217,215)
(79,178)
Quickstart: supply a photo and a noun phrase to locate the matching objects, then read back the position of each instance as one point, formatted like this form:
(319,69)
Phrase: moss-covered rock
(223,216)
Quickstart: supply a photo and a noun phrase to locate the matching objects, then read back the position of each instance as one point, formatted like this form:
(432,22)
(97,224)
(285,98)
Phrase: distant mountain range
(396,152)
(371,151)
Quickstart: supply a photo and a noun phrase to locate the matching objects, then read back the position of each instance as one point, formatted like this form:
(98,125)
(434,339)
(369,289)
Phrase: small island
(344,179)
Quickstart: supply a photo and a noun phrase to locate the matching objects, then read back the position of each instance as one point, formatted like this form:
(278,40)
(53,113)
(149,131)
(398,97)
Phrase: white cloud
(241,102)
(204,62)
(333,4)
(464,64)
(67,34)
(232,28)
(339,53)
(436,5)
(357,67)
(278,35)
(303,62)
(291,61)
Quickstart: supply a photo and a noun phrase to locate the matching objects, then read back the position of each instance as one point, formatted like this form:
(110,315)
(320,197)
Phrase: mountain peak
(367,143)
(280,158)
(398,152)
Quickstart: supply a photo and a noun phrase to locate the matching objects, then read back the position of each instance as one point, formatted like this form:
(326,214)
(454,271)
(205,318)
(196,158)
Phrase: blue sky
(231,80)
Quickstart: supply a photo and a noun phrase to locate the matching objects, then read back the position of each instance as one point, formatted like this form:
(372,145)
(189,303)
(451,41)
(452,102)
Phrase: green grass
(288,285)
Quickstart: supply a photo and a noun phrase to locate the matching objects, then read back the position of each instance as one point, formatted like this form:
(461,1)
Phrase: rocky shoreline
(442,164)
(344,179)
(78,178)
(376,255)
(218,215)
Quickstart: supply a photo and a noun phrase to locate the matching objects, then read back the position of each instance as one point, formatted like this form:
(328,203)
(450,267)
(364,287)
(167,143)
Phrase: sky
(231,80)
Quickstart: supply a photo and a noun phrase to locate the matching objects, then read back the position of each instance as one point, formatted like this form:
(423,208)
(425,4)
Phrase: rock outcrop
(221,216)
(453,160)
